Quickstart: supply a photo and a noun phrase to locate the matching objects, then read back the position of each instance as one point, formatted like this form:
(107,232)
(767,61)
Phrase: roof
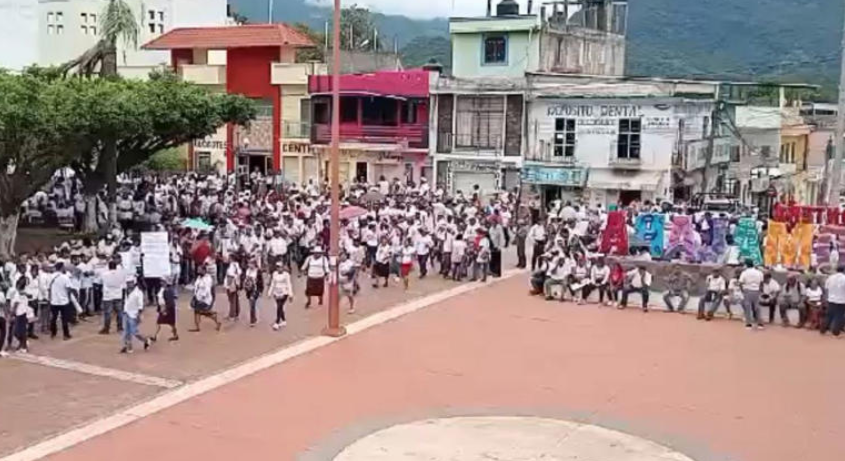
(246,36)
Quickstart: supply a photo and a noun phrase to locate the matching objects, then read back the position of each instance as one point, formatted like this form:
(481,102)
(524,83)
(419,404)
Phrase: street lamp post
(333,328)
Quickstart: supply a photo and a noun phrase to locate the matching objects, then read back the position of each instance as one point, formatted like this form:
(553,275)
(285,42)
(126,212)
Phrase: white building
(52,32)
(610,141)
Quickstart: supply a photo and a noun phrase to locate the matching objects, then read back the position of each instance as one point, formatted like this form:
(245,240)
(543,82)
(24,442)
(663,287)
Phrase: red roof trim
(247,36)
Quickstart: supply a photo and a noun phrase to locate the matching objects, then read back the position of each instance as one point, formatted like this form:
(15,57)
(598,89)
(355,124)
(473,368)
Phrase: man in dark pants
(639,281)
(60,303)
(497,242)
(537,234)
(521,237)
(834,286)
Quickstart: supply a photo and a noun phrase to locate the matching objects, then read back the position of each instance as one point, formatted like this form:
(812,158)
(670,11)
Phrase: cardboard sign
(155,248)
(614,239)
(650,228)
(747,240)
(682,238)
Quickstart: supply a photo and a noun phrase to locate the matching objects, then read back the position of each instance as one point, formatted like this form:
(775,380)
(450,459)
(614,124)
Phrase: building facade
(52,32)
(384,127)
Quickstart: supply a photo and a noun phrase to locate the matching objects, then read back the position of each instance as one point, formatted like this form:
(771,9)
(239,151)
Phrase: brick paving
(196,355)
(712,391)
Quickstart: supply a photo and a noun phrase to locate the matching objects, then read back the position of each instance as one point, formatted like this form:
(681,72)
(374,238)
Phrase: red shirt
(201,251)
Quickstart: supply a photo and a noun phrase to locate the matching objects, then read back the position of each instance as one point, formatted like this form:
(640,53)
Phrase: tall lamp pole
(333,328)
(835,181)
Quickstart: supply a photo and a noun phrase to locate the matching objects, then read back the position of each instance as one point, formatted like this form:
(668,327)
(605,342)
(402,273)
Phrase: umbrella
(371,197)
(352,212)
(198,224)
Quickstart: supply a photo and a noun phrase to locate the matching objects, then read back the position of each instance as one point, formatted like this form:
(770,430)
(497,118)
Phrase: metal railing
(296,130)
(416,136)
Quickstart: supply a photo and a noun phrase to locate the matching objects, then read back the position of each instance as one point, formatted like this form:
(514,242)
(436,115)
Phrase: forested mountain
(762,39)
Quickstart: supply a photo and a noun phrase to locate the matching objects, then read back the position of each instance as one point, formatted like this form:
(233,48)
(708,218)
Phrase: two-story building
(384,128)
(479,125)
(606,141)
(257,61)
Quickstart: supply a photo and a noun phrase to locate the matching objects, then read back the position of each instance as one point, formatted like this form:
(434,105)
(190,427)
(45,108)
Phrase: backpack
(249,284)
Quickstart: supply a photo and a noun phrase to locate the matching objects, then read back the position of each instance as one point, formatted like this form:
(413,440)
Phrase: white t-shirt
(59,288)
(715,283)
(459,249)
(280,285)
(114,281)
(750,279)
(423,244)
(408,255)
(814,295)
(835,286)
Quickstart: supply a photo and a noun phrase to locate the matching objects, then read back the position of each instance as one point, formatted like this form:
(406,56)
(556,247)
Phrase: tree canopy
(48,122)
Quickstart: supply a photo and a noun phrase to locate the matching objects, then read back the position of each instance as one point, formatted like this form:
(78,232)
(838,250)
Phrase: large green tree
(48,122)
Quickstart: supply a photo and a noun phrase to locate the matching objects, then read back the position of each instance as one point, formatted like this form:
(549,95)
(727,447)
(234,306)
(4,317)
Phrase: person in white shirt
(599,278)
(751,280)
(406,261)
(537,234)
(232,283)
(21,312)
(639,281)
(834,320)
(381,264)
(281,290)
(346,272)
(253,285)
(60,303)
(114,284)
(423,245)
(791,296)
(459,249)
(316,268)
(278,250)
(717,287)
(813,299)
(132,316)
(203,300)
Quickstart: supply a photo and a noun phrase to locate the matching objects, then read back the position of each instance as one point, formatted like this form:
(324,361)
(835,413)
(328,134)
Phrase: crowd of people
(566,264)
(246,241)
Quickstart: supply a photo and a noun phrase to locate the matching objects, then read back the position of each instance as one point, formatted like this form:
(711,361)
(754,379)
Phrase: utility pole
(711,139)
(836,179)
(333,327)
(270,11)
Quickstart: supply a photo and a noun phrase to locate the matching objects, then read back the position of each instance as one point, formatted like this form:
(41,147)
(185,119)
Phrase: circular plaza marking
(503,439)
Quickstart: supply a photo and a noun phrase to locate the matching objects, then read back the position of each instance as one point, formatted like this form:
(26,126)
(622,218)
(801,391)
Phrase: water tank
(507,8)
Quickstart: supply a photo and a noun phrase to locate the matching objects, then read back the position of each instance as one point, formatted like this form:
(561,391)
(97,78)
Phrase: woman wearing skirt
(167,308)
(381,267)
(316,268)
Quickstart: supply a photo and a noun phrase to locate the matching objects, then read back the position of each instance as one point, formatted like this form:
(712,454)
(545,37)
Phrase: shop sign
(481,167)
(209,144)
(296,148)
(554,176)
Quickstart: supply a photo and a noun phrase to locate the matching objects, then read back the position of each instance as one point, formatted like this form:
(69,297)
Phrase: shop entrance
(362,172)
(628,196)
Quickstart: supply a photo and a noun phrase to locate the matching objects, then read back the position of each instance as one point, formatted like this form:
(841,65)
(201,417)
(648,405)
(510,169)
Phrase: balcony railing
(546,154)
(296,130)
(469,144)
(624,163)
(416,136)
(203,74)
(295,73)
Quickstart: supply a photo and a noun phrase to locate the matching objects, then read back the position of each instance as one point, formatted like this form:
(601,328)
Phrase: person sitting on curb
(556,276)
(716,290)
(638,281)
(791,297)
(678,285)
(769,291)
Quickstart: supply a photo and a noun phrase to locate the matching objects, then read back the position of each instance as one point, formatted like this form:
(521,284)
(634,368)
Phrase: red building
(383,124)
(238,60)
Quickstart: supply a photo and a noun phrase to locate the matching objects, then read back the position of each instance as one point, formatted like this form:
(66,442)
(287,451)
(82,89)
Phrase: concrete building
(259,61)
(384,126)
(611,141)
(51,32)
(567,36)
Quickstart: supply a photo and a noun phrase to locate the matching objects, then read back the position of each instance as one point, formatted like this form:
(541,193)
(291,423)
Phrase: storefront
(621,187)
(552,183)
(369,164)
(208,155)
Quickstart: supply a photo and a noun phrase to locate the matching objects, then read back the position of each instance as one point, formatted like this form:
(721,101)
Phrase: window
(379,111)
(480,121)
(495,49)
(735,154)
(161,28)
(409,112)
(322,113)
(93,18)
(564,140)
(161,16)
(84,18)
(628,143)
(59,17)
(782,156)
(766,151)
(348,110)
(84,30)
(93,30)
(152,28)
(50,18)
(705,125)
(152,15)
(203,161)
(50,29)
(60,29)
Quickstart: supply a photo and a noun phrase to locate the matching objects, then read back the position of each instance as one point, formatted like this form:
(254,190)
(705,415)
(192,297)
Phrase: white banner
(155,249)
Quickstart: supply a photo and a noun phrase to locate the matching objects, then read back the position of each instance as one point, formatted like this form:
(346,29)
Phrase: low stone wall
(660,271)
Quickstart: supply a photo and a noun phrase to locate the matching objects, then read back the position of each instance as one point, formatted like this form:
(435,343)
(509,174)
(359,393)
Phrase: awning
(619,180)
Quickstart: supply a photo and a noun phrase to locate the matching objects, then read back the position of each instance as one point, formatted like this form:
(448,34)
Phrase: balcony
(621,163)
(296,130)
(415,136)
(470,144)
(295,73)
(203,74)
(546,154)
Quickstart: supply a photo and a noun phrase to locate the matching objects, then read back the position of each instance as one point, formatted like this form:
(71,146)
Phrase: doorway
(362,172)
(628,196)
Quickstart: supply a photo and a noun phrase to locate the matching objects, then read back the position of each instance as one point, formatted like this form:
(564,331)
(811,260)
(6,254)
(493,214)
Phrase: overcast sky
(427,8)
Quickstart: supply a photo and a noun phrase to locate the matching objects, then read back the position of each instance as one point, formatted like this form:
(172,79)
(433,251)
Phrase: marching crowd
(247,242)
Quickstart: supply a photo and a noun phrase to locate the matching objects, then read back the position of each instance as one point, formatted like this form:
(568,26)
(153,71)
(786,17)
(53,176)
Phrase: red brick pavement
(711,390)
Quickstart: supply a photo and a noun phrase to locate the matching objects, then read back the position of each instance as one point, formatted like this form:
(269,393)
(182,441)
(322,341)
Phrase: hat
(317,249)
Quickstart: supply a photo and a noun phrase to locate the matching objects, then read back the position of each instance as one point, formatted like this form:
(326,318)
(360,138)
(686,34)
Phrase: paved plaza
(480,371)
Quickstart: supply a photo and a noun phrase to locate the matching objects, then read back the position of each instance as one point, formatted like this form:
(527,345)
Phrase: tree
(166,160)
(39,134)
(144,118)
(357,29)
(118,24)
(318,53)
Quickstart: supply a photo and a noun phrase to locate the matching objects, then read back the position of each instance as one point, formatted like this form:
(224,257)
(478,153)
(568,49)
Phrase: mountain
(780,40)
